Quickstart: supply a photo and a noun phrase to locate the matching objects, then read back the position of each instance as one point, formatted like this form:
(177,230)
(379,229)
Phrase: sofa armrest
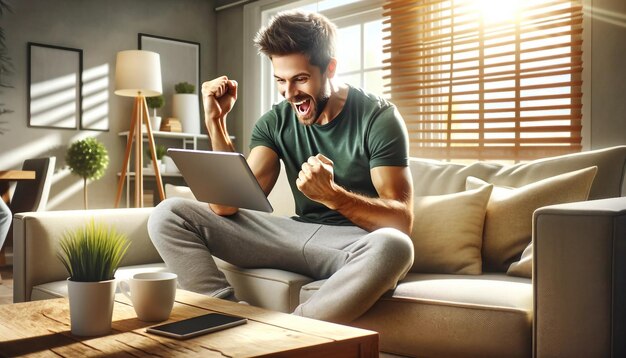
(36,236)
(579,279)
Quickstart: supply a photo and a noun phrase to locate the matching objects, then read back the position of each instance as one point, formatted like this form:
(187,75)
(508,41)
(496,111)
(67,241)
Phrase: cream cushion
(177,191)
(523,267)
(447,232)
(508,222)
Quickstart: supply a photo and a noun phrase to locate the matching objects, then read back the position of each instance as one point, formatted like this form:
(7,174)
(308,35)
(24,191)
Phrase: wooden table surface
(17,174)
(42,329)
(12,175)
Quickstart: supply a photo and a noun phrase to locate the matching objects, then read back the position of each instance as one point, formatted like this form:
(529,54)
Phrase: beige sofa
(573,307)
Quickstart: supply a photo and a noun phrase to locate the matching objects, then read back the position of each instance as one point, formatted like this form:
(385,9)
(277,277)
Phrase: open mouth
(303,107)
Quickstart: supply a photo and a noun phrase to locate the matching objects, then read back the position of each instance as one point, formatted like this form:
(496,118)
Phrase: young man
(5,221)
(345,154)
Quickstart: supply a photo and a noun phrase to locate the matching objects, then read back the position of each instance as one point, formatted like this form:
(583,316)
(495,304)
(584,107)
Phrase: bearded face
(303,85)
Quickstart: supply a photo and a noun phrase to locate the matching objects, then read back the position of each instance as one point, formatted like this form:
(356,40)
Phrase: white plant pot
(155,123)
(159,163)
(91,307)
(170,166)
(186,107)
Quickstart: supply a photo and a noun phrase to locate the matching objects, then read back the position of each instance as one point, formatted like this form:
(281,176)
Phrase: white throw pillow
(178,191)
(447,232)
(508,222)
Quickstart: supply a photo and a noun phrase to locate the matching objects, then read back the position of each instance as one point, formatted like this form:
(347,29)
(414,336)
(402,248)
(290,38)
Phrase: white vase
(170,166)
(91,307)
(186,107)
(155,123)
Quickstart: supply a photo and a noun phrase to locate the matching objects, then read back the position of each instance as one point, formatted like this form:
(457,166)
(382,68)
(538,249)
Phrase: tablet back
(220,178)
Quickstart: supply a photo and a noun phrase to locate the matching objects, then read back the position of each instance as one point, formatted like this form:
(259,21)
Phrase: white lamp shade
(138,71)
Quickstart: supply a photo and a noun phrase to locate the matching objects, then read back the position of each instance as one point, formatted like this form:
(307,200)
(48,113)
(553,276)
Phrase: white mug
(152,294)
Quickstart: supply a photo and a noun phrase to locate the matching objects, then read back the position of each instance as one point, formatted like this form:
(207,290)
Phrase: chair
(31,195)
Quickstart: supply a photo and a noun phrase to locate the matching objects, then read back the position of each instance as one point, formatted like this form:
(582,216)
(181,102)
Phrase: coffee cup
(152,294)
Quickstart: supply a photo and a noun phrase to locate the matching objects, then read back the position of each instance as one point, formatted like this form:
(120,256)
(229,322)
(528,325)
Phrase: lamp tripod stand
(140,115)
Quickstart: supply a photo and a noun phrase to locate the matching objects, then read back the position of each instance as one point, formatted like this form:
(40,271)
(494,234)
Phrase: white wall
(100,29)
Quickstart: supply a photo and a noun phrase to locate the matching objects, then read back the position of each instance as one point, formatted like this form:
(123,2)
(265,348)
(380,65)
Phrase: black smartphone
(196,326)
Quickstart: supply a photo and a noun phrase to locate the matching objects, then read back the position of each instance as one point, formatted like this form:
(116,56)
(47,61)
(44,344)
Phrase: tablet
(196,326)
(220,178)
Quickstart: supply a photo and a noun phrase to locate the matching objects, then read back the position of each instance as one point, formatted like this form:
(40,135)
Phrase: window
(486,79)
(359,52)
(358,63)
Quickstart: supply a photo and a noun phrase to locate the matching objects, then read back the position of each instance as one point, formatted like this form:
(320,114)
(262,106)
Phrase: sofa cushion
(508,222)
(273,289)
(431,177)
(435,315)
(56,289)
(523,267)
(178,191)
(447,232)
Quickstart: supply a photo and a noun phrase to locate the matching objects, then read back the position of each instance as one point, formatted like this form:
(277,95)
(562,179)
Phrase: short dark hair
(290,32)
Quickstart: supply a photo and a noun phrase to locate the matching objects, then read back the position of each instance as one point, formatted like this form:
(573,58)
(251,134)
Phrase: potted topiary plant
(91,256)
(87,158)
(155,103)
(186,107)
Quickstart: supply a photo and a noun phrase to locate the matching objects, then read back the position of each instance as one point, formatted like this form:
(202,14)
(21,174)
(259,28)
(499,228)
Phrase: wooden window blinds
(480,79)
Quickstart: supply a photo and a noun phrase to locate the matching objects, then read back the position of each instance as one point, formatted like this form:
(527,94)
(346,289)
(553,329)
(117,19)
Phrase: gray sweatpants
(359,266)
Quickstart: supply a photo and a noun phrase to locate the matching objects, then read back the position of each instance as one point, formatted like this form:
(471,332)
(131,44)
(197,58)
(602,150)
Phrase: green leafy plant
(184,87)
(159,150)
(92,253)
(155,102)
(87,158)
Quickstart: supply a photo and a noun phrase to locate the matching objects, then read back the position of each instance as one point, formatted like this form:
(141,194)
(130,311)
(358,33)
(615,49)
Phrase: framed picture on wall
(180,62)
(54,86)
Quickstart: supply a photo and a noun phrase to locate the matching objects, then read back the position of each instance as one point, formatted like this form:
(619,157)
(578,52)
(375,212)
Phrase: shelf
(174,135)
(150,173)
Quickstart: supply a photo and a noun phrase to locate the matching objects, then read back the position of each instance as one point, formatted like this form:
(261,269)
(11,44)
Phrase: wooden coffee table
(42,328)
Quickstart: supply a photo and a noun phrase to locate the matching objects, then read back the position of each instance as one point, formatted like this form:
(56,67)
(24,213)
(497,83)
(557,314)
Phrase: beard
(309,109)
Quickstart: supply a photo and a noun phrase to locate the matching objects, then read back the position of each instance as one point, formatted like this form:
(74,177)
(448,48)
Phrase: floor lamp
(138,74)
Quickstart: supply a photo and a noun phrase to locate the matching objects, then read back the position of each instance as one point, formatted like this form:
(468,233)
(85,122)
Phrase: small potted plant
(159,151)
(91,256)
(186,107)
(155,103)
(87,158)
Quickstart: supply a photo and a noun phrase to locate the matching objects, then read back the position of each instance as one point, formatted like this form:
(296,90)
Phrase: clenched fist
(218,97)
(316,179)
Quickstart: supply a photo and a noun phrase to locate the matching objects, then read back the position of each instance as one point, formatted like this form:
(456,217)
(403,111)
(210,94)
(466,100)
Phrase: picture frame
(180,62)
(54,86)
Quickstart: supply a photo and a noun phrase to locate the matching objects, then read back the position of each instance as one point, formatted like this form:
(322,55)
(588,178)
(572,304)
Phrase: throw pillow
(508,222)
(523,267)
(447,232)
(178,191)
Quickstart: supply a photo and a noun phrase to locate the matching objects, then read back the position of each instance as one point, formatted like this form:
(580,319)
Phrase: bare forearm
(218,133)
(373,213)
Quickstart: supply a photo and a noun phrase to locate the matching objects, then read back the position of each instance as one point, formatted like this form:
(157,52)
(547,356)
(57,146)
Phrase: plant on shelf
(184,87)
(91,255)
(155,103)
(87,158)
(159,151)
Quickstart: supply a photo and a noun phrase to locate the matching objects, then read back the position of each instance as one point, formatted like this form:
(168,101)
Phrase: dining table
(6,177)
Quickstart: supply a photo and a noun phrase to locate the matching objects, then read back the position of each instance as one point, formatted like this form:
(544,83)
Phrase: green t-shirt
(367,133)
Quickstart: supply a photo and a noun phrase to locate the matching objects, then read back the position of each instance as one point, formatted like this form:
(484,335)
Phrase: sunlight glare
(495,11)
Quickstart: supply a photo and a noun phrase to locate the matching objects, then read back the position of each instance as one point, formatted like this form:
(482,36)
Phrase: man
(5,221)
(345,154)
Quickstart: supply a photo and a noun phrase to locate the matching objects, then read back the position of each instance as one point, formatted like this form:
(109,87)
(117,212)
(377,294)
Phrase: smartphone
(196,326)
